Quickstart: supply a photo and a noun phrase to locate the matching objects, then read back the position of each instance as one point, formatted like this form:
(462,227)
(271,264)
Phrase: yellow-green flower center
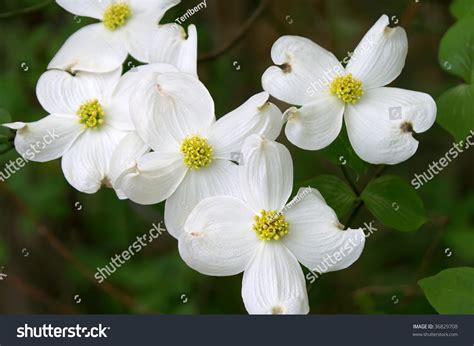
(91,114)
(347,88)
(270,225)
(197,152)
(116,15)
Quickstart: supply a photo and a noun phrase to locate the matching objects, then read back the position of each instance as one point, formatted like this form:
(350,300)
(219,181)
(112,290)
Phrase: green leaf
(340,152)
(394,203)
(456,50)
(337,193)
(451,291)
(462,8)
(455,110)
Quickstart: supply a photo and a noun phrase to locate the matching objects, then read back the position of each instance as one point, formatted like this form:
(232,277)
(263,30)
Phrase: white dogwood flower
(192,152)
(379,120)
(89,114)
(126,27)
(124,157)
(264,237)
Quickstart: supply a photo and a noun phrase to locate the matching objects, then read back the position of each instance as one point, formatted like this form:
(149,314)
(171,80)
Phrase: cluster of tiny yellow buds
(197,152)
(347,88)
(116,15)
(91,114)
(270,225)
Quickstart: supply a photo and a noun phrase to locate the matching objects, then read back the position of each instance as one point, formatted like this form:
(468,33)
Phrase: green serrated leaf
(394,203)
(451,291)
(456,50)
(340,152)
(462,8)
(456,110)
(337,193)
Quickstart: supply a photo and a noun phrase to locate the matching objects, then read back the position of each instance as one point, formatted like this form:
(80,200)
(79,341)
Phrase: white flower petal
(60,92)
(168,107)
(171,46)
(152,5)
(315,125)
(46,139)
(273,282)
(139,32)
(314,235)
(266,174)
(380,56)
(118,109)
(86,164)
(218,238)
(126,155)
(142,28)
(92,48)
(379,125)
(155,177)
(220,178)
(255,116)
(85,8)
(307,70)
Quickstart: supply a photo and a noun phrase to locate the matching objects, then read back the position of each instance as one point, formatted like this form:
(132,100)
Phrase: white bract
(264,237)
(379,120)
(89,115)
(192,152)
(126,27)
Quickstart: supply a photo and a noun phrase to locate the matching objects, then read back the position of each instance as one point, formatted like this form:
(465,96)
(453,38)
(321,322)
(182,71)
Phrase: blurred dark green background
(49,248)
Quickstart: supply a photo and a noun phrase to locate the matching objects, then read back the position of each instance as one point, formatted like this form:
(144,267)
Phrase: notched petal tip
(291,114)
(196,234)
(278,310)
(285,67)
(390,30)
(106,182)
(406,127)
(263,107)
(160,89)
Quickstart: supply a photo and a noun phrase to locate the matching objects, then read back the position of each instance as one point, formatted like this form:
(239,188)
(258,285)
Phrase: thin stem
(7,149)
(25,10)
(40,296)
(380,170)
(354,213)
(238,35)
(430,251)
(105,286)
(349,180)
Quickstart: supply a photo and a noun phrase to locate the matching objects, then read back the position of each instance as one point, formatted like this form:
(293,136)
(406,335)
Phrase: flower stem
(349,180)
(7,149)
(238,35)
(26,10)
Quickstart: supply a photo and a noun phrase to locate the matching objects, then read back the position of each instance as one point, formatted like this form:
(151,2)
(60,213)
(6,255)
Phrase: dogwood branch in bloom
(90,114)
(192,152)
(311,77)
(256,234)
(126,27)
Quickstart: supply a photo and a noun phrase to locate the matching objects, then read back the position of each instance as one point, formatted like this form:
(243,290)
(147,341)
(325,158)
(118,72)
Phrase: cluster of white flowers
(152,135)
